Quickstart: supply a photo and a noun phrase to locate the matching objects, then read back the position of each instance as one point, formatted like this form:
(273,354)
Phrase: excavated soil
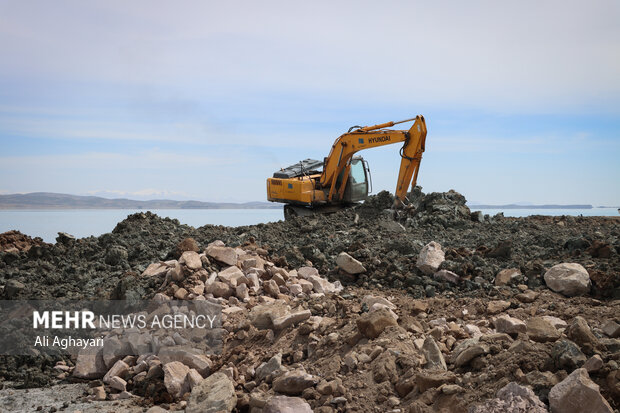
(387,242)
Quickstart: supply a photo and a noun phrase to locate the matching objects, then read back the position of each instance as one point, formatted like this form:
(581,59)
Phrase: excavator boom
(370,137)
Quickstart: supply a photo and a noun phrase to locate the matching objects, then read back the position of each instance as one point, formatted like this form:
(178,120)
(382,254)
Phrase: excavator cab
(358,183)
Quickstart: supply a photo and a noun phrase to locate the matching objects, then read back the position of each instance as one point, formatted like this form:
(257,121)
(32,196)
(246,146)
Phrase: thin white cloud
(542,56)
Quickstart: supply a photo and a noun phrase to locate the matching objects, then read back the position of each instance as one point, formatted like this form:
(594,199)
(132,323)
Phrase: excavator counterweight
(342,179)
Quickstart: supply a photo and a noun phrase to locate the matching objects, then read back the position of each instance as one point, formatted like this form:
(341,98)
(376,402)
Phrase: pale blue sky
(202,100)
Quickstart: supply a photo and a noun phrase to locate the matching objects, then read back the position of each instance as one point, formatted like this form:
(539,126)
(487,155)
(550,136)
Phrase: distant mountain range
(49,200)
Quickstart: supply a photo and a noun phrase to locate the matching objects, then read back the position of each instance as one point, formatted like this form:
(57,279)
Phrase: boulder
(90,366)
(430,258)
(232,276)
(262,316)
(576,394)
(118,384)
(611,328)
(119,369)
(579,331)
(371,325)
(294,382)
(271,288)
(349,264)
(321,285)
(219,289)
(191,260)
(540,330)
(222,254)
(188,356)
(285,404)
(569,279)
(215,394)
(567,355)
(593,364)
(174,378)
(155,270)
(509,325)
(306,272)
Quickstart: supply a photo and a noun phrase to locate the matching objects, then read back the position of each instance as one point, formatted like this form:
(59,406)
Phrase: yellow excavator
(342,179)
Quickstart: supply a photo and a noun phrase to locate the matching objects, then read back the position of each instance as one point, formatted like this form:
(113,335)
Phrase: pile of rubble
(295,342)
(15,242)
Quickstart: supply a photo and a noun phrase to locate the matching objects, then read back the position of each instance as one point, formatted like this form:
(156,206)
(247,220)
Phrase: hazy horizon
(524,204)
(200,101)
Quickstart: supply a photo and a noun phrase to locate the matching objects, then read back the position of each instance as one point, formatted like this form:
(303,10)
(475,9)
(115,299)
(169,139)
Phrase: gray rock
(285,404)
(267,369)
(294,382)
(434,358)
(469,354)
(512,398)
(569,279)
(611,329)
(289,320)
(449,276)
(13,288)
(567,355)
(116,255)
(576,394)
(215,394)
(90,366)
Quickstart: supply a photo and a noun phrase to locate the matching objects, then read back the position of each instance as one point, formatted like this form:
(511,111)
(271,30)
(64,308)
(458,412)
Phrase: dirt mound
(447,273)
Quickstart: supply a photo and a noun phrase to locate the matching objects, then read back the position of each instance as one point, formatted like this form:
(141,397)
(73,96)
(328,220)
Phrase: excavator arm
(348,144)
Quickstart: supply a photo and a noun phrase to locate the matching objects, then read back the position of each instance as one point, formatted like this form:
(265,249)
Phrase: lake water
(86,222)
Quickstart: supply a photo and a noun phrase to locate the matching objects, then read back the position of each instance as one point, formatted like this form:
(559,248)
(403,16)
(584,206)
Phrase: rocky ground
(426,308)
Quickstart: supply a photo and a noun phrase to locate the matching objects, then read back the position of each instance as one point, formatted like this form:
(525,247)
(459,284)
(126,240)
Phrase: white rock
(349,264)
(174,378)
(120,369)
(118,384)
(288,320)
(569,279)
(509,325)
(226,255)
(305,272)
(155,270)
(231,276)
(430,258)
(191,259)
(369,300)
